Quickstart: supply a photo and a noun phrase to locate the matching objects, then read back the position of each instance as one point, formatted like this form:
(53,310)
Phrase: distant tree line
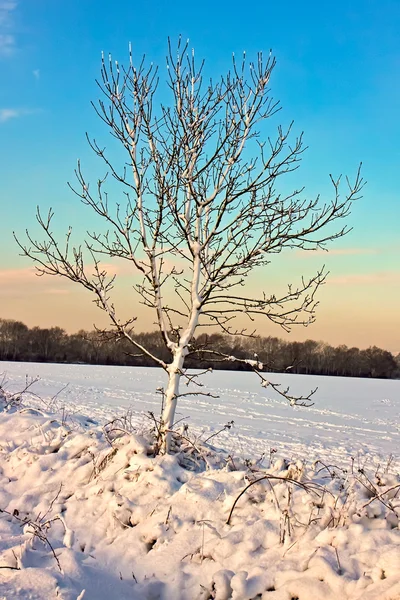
(21,343)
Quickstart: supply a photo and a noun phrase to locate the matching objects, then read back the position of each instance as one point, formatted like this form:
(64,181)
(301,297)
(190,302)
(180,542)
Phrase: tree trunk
(171,397)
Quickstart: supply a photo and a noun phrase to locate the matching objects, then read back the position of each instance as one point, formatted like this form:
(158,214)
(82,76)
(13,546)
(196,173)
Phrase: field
(350,416)
(88,515)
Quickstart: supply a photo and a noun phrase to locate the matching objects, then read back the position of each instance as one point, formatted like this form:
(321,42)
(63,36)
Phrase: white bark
(171,396)
(180,351)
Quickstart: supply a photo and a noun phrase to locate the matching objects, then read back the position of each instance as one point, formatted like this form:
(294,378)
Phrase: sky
(337,77)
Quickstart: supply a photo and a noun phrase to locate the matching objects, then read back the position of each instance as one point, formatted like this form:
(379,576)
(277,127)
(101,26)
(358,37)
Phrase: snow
(88,512)
(350,417)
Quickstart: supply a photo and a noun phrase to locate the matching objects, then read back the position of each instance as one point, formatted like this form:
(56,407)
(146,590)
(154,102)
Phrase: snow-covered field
(350,417)
(89,517)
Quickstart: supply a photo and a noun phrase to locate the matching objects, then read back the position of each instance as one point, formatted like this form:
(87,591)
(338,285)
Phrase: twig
(307,487)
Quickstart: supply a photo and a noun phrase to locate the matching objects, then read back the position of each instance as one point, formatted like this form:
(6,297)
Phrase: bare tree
(201,210)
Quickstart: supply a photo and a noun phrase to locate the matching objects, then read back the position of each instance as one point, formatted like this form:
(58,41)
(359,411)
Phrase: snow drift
(89,512)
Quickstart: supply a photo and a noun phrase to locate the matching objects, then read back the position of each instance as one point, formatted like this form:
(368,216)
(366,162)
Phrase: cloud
(7,44)
(58,292)
(25,282)
(6,8)
(7,39)
(8,276)
(6,114)
(337,252)
(36,73)
(378,278)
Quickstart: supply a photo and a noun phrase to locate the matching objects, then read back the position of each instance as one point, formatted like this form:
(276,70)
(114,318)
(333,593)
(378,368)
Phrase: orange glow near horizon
(354,310)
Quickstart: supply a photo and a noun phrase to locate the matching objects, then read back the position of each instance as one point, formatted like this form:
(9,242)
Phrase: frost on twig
(38,528)
(10,400)
(256,366)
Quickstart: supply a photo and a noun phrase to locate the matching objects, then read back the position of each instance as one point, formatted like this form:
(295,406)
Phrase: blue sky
(337,76)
